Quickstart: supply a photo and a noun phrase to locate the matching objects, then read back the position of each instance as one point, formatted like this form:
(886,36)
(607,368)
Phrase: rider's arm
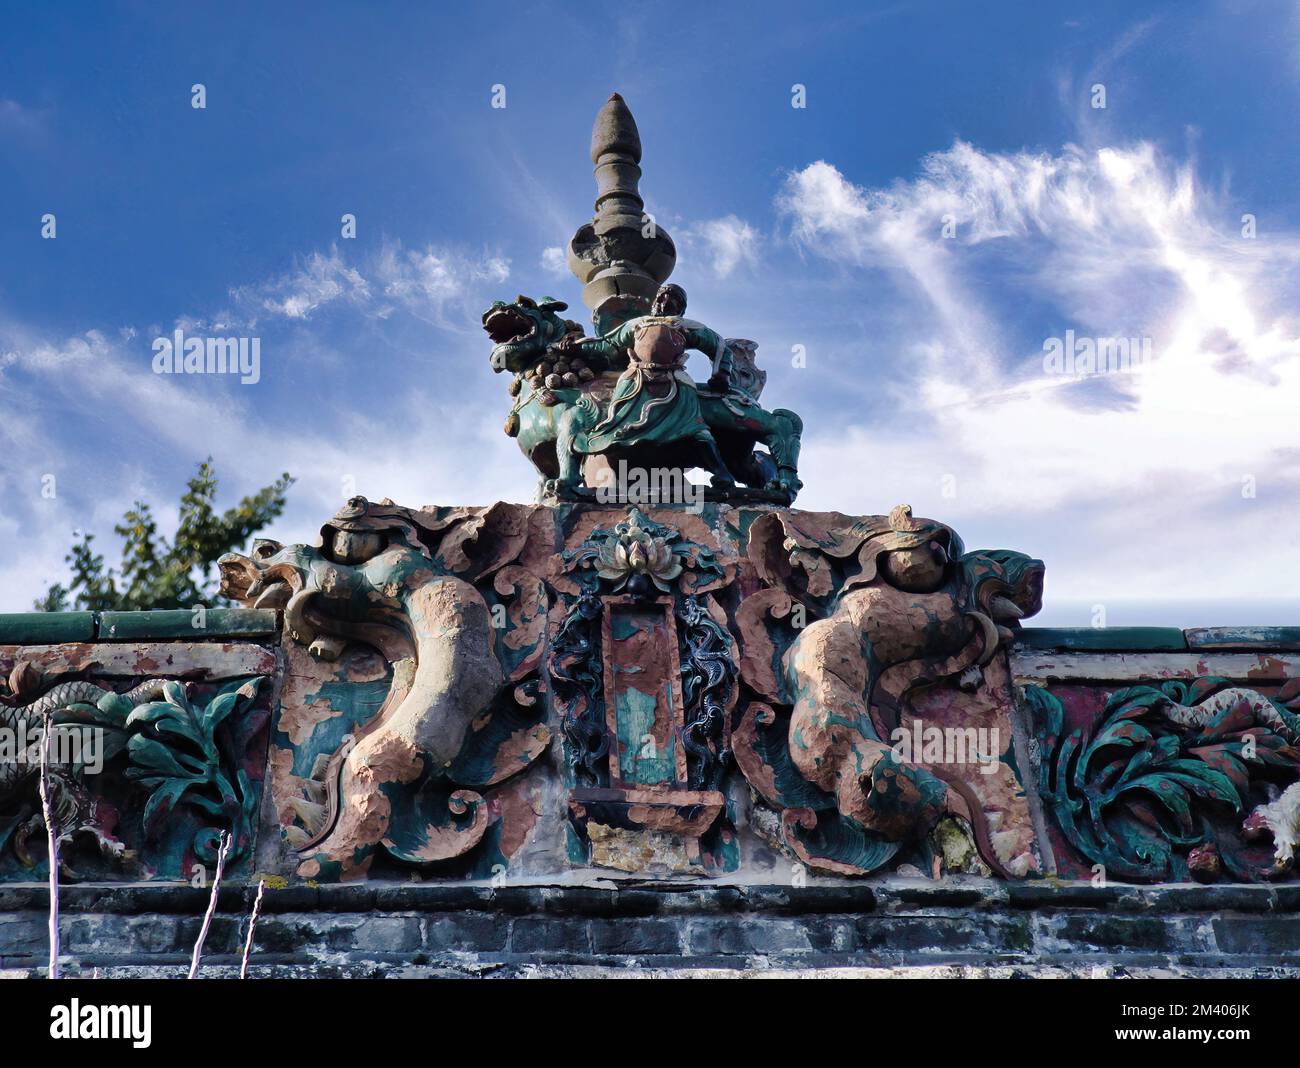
(612,347)
(712,345)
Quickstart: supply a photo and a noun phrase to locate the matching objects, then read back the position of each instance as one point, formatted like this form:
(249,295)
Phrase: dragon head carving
(522,331)
(1005,585)
(352,585)
(401,581)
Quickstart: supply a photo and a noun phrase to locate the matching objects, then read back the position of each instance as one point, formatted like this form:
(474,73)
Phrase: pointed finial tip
(615,131)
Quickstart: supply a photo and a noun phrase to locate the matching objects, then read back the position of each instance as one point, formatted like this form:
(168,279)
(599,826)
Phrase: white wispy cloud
(554,261)
(321,279)
(1117,242)
(445,451)
(425,282)
(420,443)
(728,243)
(1128,484)
(16,117)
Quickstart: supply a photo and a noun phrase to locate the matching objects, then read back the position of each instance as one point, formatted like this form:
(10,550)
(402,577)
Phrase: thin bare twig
(52,842)
(212,904)
(252,924)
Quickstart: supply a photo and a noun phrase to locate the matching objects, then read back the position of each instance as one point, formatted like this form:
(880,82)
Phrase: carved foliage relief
(1170,781)
(154,752)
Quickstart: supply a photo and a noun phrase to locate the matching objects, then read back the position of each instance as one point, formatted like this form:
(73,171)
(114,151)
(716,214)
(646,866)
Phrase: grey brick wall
(971,927)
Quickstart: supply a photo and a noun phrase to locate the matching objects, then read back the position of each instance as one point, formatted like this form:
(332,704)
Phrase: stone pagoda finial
(622,256)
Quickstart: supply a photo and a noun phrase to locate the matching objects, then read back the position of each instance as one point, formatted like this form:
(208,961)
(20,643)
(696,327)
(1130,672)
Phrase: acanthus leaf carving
(1173,778)
(179,754)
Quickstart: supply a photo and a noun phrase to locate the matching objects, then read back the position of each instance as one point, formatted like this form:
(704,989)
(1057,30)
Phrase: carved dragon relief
(795,664)
(462,713)
(1175,779)
(183,763)
(896,606)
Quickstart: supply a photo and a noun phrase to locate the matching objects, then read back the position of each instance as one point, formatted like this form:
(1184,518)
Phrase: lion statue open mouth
(522,331)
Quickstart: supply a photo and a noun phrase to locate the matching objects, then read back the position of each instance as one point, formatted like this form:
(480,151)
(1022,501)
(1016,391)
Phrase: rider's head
(670,300)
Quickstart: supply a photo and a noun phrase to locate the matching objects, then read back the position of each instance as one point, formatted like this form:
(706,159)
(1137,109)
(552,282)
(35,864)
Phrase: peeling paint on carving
(636,723)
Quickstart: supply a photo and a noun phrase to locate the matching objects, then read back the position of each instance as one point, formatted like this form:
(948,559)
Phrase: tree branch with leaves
(156,572)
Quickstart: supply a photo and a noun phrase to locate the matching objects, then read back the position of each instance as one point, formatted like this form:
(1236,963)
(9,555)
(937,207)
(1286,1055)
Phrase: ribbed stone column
(621,256)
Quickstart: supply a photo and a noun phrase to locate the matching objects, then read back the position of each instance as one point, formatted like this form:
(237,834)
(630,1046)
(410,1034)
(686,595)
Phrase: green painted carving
(895,605)
(1103,639)
(175,753)
(625,395)
(636,718)
(505,739)
(68,709)
(654,348)
(637,613)
(709,684)
(176,750)
(1157,786)
(638,556)
(641,558)
(577,679)
(437,593)
(352,704)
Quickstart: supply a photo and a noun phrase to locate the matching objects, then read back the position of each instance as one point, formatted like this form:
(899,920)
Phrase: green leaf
(117,705)
(165,717)
(182,730)
(1047,710)
(175,693)
(221,706)
(152,754)
(217,710)
(207,804)
(161,802)
(1170,794)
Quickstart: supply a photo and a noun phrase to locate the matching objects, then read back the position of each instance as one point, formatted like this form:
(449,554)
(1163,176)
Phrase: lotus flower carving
(633,550)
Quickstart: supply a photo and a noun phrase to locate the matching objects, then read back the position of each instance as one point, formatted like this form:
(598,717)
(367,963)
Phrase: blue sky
(1167,494)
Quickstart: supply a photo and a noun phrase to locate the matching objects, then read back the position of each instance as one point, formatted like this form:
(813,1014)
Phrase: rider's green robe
(652,402)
